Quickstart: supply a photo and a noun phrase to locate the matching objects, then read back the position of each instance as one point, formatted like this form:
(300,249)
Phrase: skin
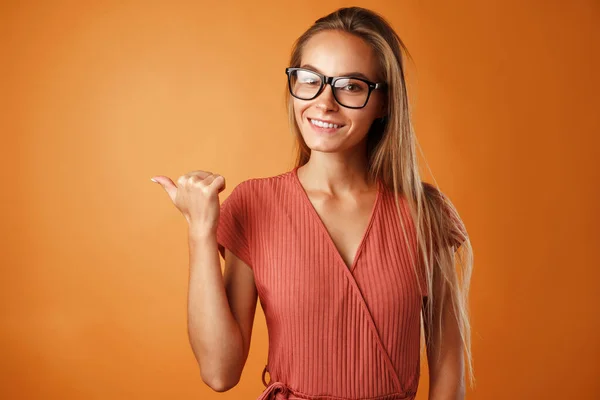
(335,177)
(336,182)
(446,374)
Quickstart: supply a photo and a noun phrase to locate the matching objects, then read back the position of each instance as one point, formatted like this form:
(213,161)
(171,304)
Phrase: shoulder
(444,213)
(433,194)
(437,199)
(261,188)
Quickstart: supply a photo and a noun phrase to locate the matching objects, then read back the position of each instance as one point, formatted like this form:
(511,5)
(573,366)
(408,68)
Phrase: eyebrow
(355,74)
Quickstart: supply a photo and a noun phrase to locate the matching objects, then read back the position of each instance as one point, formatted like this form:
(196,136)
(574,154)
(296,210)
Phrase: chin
(323,145)
(323,149)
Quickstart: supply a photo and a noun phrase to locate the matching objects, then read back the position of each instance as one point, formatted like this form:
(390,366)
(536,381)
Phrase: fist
(196,196)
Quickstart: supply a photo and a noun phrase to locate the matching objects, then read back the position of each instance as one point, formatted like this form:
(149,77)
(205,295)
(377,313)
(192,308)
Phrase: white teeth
(323,124)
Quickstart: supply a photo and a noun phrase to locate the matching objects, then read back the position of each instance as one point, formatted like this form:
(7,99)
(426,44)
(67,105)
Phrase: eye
(307,78)
(309,81)
(352,87)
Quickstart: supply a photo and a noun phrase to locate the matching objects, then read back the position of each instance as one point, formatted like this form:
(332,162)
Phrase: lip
(326,121)
(320,130)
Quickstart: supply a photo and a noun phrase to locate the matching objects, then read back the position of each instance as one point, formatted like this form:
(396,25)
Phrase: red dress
(335,332)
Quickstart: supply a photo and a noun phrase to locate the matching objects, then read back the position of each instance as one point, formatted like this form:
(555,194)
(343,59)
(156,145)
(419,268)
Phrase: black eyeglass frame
(331,80)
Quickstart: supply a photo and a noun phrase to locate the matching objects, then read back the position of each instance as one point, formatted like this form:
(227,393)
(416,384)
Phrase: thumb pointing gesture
(196,195)
(167,184)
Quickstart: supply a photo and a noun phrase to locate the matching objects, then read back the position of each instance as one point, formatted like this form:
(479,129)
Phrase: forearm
(446,366)
(213,331)
(446,391)
(445,358)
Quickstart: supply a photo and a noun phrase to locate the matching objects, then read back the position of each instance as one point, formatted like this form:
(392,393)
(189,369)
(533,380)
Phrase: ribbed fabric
(334,332)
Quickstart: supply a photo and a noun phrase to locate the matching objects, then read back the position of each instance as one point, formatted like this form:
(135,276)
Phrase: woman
(346,251)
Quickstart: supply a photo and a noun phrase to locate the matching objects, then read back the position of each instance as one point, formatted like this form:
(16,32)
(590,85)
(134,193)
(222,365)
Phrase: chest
(344,221)
(324,253)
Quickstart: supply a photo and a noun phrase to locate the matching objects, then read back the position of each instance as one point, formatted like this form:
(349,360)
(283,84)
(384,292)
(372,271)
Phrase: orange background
(97,98)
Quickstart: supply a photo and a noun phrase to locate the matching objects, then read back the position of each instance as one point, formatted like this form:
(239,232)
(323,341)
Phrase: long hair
(442,242)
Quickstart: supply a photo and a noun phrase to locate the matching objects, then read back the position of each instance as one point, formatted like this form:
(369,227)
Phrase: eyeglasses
(349,92)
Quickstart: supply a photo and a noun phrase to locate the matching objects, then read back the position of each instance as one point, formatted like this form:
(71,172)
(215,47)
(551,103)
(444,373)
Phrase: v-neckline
(323,228)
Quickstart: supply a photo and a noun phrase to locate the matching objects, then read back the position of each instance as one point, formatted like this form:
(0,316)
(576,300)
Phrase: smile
(323,124)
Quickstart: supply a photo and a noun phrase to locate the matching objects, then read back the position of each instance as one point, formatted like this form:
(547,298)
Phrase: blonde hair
(442,241)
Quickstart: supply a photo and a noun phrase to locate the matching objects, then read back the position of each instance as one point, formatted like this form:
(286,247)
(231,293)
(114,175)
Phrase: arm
(221,310)
(445,359)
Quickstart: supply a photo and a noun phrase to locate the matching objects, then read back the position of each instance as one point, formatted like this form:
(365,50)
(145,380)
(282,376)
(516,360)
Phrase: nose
(325,100)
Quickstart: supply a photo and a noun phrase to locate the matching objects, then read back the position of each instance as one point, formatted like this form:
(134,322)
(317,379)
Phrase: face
(335,53)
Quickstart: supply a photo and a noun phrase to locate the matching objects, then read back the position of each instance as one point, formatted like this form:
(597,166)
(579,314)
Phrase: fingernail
(152,179)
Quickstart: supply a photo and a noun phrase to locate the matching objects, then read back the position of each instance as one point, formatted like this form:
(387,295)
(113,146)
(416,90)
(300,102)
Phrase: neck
(336,173)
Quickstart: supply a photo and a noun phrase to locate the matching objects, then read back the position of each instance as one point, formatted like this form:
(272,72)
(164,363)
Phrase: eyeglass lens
(348,92)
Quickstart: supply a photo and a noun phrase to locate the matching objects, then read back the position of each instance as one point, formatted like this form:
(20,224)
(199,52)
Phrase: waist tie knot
(280,391)
(275,391)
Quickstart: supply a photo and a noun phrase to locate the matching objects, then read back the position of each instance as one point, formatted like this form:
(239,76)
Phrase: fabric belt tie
(280,391)
(276,391)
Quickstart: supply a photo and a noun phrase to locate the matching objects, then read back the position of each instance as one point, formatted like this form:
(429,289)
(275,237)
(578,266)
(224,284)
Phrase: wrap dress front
(335,332)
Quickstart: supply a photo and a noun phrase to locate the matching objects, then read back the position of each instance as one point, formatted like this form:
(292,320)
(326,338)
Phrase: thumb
(167,184)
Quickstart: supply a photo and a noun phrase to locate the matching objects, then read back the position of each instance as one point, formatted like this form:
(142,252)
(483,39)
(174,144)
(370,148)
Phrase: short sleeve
(457,230)
(447,222)
(451,223)
(232,230)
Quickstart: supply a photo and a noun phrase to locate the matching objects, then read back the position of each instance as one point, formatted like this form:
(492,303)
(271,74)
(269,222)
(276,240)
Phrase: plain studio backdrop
(97,97)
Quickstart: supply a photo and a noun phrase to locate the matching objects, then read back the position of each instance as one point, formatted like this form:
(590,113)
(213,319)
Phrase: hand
(197,197)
